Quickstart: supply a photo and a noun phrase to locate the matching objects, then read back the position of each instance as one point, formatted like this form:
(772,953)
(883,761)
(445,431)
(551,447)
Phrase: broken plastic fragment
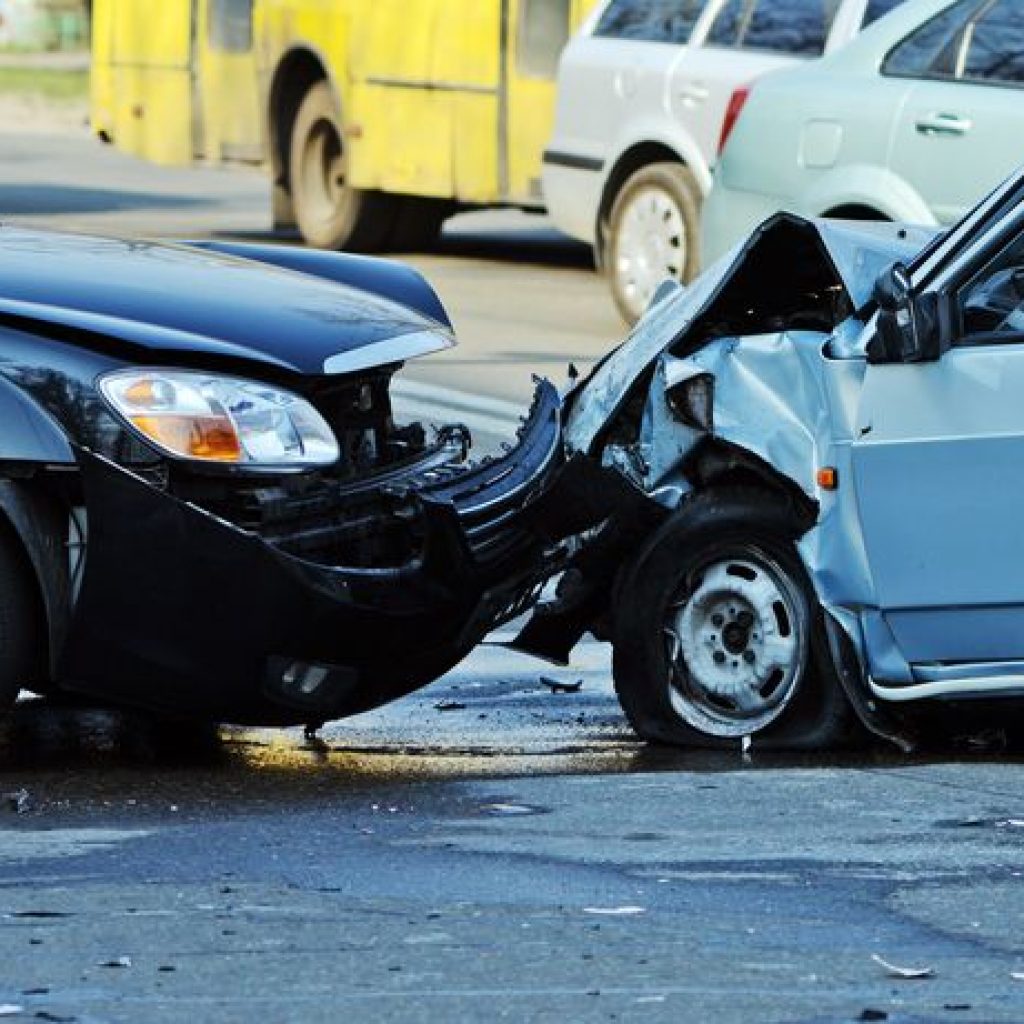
(18,801)
(906,973)
(558,687)
(449,705)
(121,961)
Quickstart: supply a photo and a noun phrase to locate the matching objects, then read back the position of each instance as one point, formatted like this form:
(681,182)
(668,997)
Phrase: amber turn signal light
(828,478)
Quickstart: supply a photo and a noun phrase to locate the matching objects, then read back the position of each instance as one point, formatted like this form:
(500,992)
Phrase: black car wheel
(331,214)
(719,635)
(17,622)
(653,234)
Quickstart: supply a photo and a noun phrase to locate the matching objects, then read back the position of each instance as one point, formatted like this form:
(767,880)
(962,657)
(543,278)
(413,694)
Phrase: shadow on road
(43,199)
(539,246)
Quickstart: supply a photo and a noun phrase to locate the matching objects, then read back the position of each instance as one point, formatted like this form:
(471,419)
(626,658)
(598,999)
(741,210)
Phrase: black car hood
(172,299)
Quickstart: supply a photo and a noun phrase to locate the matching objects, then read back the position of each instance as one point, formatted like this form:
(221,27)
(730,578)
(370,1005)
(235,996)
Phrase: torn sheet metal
(842,256)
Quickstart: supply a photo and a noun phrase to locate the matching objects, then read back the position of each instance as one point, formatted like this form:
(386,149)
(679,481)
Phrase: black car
(206,506)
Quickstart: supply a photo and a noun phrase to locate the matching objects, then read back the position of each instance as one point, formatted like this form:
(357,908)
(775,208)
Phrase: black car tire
(329,212)
(714,537)
(18,634)
(657,208)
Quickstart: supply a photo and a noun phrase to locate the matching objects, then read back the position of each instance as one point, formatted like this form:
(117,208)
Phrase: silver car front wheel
(718,634)
(737,639)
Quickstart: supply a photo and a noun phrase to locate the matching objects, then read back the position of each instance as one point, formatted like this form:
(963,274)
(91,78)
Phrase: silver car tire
(653,233)
(718,634)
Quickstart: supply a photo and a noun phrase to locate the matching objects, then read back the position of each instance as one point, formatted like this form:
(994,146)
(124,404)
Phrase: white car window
(995,50)
(656,21)
(876,9)
(797,27)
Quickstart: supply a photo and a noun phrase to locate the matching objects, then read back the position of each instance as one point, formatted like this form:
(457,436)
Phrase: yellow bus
(376,118)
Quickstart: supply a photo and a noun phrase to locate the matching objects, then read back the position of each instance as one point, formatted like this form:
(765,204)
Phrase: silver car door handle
(944,124)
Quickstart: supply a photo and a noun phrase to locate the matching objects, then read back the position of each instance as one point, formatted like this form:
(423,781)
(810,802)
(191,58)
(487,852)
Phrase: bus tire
(330,213)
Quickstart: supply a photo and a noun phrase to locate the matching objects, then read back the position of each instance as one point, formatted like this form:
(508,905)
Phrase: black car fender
(29,434)
(385,278)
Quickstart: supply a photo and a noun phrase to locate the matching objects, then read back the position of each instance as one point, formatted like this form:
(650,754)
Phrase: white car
(643,91)
(911,122)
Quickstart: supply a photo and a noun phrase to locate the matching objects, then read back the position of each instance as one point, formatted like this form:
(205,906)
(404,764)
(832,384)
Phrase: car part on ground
(642,88)
(910,122)
(206,505)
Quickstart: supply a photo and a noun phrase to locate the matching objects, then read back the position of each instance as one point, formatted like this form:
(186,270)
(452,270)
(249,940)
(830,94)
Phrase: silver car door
(939,476)
(961,129)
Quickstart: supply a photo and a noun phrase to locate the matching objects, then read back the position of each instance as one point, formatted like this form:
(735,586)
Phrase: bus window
(231,25)
(543,32)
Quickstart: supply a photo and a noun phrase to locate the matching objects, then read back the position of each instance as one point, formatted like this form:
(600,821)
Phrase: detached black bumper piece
(183,612)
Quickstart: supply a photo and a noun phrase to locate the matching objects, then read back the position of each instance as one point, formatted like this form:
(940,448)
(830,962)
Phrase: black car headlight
(210,418)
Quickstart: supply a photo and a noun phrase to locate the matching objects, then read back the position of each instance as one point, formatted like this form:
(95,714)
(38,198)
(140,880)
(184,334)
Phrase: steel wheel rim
(736,636)
(323,170)
(650,245)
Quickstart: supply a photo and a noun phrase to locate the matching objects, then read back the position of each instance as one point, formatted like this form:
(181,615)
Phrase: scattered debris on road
(450,705)
(556,687)
(615,911)
(18,801)
(120,962)
(904,973)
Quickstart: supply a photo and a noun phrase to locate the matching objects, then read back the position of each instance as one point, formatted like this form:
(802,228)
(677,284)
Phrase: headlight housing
(210,418)
(693,401)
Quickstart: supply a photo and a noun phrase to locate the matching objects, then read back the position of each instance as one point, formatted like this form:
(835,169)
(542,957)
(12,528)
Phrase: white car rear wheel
(653,234)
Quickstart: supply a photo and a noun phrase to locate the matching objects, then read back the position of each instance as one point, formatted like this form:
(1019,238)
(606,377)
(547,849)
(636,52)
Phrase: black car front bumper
(183,611)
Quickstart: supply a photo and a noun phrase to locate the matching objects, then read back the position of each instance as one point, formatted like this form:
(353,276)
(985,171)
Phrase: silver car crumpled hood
(852,254)
(786,386)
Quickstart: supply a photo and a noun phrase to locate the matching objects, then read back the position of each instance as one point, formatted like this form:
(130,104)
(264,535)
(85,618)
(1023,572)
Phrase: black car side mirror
(908,324)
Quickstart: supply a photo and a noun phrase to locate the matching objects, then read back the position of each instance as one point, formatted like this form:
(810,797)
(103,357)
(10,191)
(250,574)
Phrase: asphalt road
(487,848)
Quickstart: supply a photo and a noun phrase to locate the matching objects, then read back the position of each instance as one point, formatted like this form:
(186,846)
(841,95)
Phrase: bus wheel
(330,213)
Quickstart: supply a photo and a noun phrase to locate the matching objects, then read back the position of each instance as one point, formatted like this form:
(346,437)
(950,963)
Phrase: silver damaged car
(811,498)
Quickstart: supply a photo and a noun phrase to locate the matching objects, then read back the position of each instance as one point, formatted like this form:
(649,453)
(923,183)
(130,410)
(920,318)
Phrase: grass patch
(46,83)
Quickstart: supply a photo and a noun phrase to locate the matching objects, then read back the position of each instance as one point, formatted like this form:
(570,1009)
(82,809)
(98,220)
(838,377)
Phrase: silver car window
(991,304)
(995,45)
(656,21)
(798,27)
